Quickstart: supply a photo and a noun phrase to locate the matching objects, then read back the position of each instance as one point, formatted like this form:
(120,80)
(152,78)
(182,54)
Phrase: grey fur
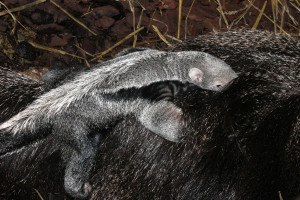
(162,118)
(77,108)
(132,50)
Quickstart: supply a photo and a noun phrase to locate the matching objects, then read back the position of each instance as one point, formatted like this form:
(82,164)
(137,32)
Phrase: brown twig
(117,44)
(72,17)
(13,17)
(21,7)
(186,19)
(161,36)
(179,18)
(259,16)
(38,46)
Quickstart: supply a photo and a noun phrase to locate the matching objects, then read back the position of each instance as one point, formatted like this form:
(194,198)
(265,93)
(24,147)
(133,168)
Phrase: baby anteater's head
(209,72)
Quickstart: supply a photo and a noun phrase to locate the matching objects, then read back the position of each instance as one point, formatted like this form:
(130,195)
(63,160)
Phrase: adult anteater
(242,143)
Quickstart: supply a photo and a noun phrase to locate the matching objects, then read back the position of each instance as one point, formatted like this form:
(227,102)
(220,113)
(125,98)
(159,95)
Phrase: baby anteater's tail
(16,92)
(21,130)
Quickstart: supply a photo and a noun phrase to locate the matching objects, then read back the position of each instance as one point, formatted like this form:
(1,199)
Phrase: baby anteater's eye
(219,85)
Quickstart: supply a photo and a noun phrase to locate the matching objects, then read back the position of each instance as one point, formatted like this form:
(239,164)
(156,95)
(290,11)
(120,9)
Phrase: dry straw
(8,11)
(179,18)
(259,16)
(38,46)
(98,56)
(186,19)
(39,194)
(72,17)
(21,7)
(220,9)
(280,9)
(161,36)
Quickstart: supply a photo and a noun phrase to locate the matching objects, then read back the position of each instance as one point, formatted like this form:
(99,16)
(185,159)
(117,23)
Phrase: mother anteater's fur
(242,143)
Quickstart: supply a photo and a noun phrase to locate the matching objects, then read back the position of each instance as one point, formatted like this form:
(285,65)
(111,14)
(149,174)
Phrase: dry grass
(8,11)
(161,36)
(38,46)
(220,9)
(179,18)
(186,19)
(259,16)
(21,7)
(280,12)
(116,44)
(39,194)
(73,18)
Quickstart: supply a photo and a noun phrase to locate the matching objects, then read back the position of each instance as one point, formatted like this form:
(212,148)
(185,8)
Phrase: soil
(27,43)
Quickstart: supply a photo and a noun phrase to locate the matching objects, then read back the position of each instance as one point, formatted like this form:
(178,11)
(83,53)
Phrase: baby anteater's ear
(196,75)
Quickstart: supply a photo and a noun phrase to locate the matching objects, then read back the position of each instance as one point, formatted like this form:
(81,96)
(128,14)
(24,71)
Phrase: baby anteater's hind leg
(164,119)
(80,154)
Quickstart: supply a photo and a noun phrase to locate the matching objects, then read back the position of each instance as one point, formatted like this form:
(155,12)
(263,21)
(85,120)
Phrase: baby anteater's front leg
(163,118)
(79,153)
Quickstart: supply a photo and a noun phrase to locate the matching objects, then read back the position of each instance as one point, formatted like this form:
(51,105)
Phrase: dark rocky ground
(110,21)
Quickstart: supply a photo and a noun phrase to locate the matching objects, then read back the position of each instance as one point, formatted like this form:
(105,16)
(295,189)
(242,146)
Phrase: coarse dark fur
(16,91)
(242,143)
(77,112)
(58,75)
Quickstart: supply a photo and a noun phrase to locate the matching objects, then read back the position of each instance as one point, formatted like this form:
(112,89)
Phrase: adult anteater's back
(242,143)
(247,49)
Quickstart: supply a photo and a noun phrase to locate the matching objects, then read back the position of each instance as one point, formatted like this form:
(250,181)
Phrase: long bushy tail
(22,129)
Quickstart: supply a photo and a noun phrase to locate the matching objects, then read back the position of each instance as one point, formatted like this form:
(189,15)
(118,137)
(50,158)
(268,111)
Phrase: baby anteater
(93,101)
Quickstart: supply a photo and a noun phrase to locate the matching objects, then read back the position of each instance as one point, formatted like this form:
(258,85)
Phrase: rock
(51,28)
(40,17)
(120,29)
(4,59)
(145,19)
(195,17)
(168,4)
(25,50)
(74,6)
(104,22)
(3,26)
(108,11)
(60,40)
(89,45)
